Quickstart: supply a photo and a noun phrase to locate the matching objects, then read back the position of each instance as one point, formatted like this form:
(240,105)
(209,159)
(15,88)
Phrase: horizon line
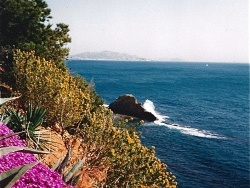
(163,61)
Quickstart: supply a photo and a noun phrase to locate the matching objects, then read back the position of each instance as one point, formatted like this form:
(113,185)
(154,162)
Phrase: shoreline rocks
(128,105)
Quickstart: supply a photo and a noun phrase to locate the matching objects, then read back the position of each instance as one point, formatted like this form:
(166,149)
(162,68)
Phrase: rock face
(128,105)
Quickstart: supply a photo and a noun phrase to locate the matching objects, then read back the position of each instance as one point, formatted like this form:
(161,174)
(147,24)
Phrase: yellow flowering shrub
(130,163)
(44,84)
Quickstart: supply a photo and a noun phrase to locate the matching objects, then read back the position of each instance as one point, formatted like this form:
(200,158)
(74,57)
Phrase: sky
(190,30)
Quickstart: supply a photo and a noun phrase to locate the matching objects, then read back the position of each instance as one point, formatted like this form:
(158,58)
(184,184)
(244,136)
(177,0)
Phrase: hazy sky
(192,30)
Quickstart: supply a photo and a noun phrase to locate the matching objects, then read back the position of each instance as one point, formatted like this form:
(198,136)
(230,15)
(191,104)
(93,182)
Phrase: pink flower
(39,176)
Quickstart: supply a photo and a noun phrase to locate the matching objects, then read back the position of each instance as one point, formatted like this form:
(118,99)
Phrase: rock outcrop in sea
(128,105)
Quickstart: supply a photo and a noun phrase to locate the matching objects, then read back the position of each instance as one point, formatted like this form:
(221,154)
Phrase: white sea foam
(149,106)
(106,105)
(191,131)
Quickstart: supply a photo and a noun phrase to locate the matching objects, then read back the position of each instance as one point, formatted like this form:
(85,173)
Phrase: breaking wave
(149,106)
(161,120)
(106,105)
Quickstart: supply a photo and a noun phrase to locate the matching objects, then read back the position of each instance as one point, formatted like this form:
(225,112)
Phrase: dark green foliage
(24,24)
(35,116)
(14,119)
(6,66)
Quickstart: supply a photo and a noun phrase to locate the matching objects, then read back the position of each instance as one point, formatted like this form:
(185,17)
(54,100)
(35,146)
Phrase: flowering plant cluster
(40,176)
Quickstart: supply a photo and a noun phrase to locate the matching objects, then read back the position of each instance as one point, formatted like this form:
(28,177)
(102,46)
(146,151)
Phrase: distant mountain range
(106,55)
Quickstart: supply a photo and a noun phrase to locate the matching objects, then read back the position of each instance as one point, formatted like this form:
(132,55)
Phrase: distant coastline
(116,56)
(106,56)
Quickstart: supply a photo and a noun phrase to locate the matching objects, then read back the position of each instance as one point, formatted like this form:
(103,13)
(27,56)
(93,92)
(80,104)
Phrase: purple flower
(11,141)
(39,176)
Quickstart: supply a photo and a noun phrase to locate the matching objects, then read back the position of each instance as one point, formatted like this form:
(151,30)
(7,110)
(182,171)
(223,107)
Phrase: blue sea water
(203,108)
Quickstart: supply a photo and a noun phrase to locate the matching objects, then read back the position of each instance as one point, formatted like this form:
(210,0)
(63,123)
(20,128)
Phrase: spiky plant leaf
(74,180)
(9,149)
(56,165)
(10,135)
(73,170)
(15,174)
(42,139)
(28,122)
(4,100)
(35,115)
(14,117)
(64,162)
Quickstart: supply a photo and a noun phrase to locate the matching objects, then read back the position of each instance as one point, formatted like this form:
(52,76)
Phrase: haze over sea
(203,108)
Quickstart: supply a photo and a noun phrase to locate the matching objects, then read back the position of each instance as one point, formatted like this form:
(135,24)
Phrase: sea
(202,131)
